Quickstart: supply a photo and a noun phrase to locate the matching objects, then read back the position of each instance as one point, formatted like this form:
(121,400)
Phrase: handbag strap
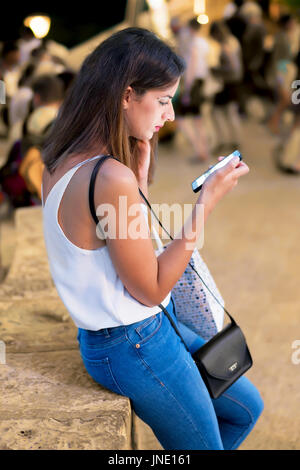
(93,212)
(149,205)
(172,322)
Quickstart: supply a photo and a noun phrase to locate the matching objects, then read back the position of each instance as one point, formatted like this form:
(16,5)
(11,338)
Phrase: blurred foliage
(294,4)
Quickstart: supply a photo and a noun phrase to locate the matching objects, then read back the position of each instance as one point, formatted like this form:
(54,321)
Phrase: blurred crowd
(36,75)
(246,63)
(242,56)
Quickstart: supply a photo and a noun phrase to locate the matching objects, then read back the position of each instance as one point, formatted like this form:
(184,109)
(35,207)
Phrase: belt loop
(106,332)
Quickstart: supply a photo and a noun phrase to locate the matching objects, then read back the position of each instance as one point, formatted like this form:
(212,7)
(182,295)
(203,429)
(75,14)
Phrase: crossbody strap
(149,205)
(93,212)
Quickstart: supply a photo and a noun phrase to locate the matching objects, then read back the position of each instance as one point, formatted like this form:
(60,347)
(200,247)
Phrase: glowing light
(156,4)
(39,25)
(159,15)
(203,19)
(199,7)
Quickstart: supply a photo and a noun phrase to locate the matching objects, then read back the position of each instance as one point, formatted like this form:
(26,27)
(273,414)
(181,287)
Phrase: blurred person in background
(9,74)
(194,49)
(43,62)
(40,62)
(253,50)
(231,8)
(32,166)
(10,66)
(247,25)
(20,191)
(234,20)
(230,71)
(48,93)
(251,8)
(285,50)
(27,43)
(287,152)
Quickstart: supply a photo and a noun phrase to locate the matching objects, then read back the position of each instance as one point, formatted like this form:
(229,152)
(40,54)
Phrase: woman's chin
(146,136)
(150,135)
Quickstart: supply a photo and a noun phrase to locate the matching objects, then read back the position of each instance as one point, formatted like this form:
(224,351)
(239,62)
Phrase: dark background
(71,23)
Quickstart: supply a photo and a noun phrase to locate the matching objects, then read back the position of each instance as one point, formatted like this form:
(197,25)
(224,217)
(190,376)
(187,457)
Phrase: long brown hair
(91,115)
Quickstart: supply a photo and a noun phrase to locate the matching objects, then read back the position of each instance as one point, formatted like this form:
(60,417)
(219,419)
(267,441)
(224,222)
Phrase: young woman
(112,288)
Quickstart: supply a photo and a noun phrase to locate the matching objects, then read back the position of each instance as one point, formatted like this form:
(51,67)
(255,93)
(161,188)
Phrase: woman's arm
(146,277)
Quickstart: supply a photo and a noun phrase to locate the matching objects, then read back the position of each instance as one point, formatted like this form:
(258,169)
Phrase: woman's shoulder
(115,179)
(114,171)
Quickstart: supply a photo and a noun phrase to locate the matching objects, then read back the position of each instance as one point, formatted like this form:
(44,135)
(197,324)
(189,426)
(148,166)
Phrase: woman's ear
(127,97)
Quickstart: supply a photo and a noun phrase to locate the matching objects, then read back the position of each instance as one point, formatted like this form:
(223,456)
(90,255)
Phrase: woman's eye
(163,103)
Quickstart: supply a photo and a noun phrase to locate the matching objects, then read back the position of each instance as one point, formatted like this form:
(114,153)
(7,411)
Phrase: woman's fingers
(240,165)
(241,169)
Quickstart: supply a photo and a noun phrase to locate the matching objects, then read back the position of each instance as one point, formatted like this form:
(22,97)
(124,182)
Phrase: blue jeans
(147,362)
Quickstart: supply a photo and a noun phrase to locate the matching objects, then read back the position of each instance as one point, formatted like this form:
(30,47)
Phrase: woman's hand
(221,182)
(143,153)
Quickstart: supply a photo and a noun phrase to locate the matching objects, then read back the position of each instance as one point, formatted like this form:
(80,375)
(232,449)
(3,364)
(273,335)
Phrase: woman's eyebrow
(167,96)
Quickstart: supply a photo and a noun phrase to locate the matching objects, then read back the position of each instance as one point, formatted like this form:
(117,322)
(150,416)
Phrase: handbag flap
(225,353)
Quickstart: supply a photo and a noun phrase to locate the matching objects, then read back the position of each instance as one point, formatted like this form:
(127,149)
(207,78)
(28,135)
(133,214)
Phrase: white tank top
(86,280)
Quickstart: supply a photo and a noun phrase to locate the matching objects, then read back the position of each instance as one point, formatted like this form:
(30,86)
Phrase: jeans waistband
(107,332)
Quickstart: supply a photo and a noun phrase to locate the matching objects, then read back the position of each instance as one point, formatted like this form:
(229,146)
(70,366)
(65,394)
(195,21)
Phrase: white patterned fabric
(195,305)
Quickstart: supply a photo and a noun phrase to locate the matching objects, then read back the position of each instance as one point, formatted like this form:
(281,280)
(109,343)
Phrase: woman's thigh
(168,393)
(151,366)
(148,363)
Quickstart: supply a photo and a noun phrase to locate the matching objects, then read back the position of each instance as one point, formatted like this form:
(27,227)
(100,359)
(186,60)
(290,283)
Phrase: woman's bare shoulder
(115,173)
(113,168)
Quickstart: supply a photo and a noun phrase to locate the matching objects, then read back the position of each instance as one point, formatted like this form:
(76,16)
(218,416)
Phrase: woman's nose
(170,115)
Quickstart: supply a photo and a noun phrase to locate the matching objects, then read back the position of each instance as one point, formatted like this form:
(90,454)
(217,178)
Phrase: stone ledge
(30,262)
(50,402)
(32,325)
(48,399)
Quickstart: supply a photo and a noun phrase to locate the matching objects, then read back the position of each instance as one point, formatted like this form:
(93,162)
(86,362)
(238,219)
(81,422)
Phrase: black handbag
(222,359)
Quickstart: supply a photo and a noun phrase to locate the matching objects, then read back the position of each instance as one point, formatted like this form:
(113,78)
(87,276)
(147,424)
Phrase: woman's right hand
(222,181)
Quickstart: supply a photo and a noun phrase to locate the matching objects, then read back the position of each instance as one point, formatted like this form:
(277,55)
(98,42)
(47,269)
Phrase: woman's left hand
(143,156)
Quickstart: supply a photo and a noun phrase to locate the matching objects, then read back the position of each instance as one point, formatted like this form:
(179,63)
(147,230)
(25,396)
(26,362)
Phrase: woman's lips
(157,128)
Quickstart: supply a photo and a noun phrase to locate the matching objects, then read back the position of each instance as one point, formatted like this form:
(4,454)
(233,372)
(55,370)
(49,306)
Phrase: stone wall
(48,401)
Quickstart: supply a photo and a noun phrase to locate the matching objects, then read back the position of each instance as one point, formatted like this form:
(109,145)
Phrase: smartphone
(198,183)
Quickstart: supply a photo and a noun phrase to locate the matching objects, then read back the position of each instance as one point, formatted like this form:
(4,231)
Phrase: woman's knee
(254,402)
(243,402)
(258,405)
